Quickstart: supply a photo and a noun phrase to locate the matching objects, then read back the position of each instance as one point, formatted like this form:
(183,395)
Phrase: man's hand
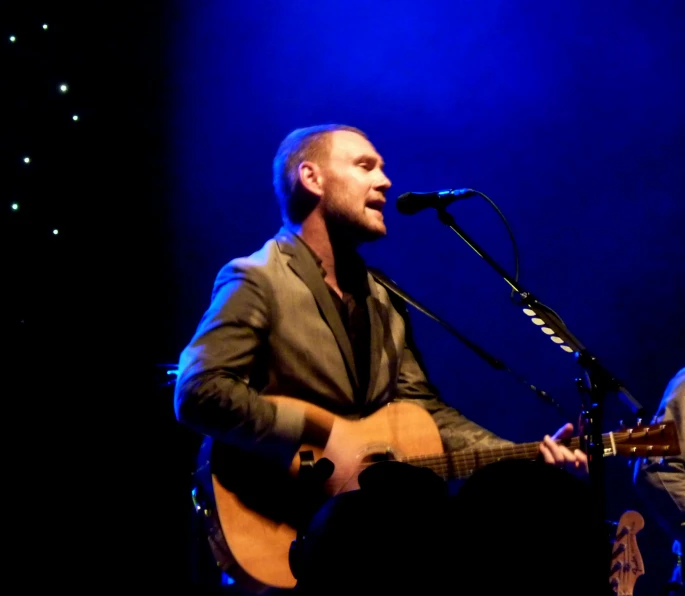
(561,456)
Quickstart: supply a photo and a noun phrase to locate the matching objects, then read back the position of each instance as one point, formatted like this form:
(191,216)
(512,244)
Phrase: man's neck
(318,238)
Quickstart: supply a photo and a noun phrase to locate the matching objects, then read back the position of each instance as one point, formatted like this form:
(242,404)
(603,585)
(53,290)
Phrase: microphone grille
(407,204)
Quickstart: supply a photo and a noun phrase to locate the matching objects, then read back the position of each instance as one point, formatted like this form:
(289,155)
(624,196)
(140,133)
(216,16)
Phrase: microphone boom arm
(495,363)
(597,381)
(546,319)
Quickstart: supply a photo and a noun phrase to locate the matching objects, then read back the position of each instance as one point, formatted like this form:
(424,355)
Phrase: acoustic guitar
(252,544)
(627,564)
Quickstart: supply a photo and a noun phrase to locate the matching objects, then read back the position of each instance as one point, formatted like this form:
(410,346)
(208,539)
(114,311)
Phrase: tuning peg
(617,550)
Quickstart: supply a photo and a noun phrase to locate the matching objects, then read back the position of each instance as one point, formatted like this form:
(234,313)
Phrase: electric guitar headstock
(651,440)
(626,560)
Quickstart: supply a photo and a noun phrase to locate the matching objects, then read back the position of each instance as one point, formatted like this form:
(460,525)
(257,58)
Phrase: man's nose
(384,182)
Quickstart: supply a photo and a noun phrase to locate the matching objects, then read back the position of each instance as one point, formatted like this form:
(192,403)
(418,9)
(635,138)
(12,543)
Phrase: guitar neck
(461,464)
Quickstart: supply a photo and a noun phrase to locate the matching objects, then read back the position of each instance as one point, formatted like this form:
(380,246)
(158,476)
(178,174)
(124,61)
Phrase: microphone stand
(593,386)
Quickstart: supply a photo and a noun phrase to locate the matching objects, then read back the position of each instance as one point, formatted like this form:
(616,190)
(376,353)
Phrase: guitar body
(259,545)
(252,509)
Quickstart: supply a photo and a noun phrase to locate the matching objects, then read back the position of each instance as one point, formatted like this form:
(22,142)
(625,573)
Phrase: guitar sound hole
(374,458)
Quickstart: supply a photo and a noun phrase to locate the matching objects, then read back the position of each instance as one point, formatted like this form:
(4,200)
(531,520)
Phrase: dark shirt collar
(351,275)
(316,258)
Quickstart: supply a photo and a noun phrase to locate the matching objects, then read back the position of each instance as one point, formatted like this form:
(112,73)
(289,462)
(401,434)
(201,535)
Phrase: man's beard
(344,230)
(345,227)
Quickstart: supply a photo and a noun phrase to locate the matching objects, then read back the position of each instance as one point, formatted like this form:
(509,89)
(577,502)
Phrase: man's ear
(311,177)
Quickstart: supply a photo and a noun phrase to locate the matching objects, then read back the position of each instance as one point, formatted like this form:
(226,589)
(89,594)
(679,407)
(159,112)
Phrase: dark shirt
(355,317)
(354,314)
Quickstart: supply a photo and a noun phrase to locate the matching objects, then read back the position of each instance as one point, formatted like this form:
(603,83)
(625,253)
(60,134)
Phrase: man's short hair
(303,144)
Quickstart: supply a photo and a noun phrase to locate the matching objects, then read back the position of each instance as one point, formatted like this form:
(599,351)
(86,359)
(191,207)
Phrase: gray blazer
(273,328)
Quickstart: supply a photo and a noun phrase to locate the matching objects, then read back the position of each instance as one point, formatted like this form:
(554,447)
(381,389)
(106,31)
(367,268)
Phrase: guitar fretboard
(461,464)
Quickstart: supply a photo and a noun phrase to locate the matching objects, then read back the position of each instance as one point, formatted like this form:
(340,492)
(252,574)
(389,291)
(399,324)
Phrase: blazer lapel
(304,265)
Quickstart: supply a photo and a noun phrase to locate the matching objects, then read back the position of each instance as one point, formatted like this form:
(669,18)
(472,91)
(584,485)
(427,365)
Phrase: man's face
(354,187)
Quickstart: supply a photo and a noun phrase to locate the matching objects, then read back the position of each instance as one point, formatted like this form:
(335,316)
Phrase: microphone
(413,202)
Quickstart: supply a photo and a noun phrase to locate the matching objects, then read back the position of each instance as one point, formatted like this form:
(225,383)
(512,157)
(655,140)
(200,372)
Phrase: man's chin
(380,233)
(372,235)
(360,233)
(372,231)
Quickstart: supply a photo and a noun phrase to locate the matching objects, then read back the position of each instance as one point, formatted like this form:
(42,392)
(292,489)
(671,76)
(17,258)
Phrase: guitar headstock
(652,440)
(626,560)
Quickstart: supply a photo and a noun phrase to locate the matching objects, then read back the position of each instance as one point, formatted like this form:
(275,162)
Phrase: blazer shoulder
(257,262)
(255,268)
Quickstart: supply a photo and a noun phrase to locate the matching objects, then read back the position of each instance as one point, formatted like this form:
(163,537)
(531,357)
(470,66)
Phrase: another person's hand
(561,456)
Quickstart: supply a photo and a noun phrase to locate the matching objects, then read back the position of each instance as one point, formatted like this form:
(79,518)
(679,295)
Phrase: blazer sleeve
(215,394)
(662,485)
(456,430)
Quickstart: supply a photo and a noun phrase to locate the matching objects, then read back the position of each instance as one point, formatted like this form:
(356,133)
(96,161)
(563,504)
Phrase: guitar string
(624,567)
(625,570)
(621,561)
(468,459)
(462,462)
(516,450)
(445,463)
(629,551)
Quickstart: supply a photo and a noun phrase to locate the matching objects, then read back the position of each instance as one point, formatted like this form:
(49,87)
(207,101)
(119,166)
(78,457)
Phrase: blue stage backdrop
(568,115)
